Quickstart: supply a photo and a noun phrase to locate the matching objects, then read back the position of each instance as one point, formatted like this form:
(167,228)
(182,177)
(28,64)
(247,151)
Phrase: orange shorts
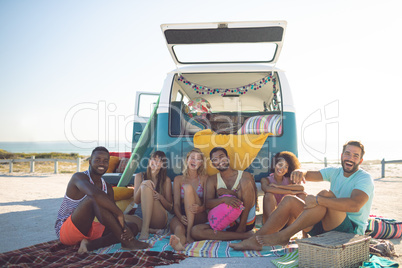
(70,235)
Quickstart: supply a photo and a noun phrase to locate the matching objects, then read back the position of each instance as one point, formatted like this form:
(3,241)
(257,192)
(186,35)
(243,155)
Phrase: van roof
(225,42)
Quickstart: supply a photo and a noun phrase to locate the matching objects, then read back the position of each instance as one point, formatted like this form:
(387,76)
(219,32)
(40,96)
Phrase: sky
(70,70)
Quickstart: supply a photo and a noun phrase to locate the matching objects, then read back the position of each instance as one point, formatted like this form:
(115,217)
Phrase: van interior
(227,103)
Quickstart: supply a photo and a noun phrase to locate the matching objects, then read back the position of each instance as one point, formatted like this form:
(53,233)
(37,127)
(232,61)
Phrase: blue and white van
(228,69)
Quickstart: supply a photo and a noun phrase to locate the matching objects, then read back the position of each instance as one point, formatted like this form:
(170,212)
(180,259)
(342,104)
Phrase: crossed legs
(292,207)
(247,194)
(83,217)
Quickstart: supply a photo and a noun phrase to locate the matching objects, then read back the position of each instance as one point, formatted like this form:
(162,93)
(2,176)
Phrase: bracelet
(316,200)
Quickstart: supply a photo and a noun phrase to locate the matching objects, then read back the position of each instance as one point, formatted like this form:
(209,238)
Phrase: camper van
(225,81)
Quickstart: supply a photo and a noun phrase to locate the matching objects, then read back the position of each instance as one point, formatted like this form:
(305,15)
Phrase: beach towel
(290,260)
(383,228)
(55,254)
(205,248)
(378,262)
(242,149)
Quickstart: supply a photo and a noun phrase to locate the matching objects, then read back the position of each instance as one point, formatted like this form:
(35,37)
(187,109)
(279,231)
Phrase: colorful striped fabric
(205,248)
(290,260)
(262,124)
(382,228)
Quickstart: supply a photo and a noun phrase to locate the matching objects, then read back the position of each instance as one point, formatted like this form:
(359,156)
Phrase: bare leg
(190,198)
(205,232)
(308,218)
(269,205)
(330,220)
(147,204)
(289,208)
(82,218)
(154,214)
(109,239)
(178,239)
(247,194)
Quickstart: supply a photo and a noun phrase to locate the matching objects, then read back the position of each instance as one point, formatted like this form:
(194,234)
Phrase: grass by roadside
(42,167)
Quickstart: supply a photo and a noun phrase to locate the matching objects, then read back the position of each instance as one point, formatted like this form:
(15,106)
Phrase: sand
(29,205)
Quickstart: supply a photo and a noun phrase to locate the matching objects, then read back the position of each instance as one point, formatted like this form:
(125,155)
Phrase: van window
(227,103)
(179,96)
(236,52)
(146,104)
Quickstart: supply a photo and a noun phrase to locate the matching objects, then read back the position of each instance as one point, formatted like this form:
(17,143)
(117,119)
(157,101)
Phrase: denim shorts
(138,211)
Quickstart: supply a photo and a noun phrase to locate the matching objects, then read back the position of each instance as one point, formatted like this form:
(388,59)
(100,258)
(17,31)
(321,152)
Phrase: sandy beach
(29,204)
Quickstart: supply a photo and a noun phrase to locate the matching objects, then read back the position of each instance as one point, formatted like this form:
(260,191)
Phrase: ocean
(84,149)
(316,152)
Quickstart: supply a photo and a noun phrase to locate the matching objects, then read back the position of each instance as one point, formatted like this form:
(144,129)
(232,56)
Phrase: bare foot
(175,243)
(272,239)
(134,245)
(83,246)
(143,235)
(247,244)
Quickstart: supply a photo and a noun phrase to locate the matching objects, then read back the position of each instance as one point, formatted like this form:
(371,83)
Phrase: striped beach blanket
(205,248)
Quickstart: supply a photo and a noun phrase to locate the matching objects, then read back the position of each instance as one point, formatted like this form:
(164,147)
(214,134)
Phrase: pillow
(121,193)
(262,124)
(113,162)
(185,109)
(122,165)
(123,204)
(223,215)
(192,125)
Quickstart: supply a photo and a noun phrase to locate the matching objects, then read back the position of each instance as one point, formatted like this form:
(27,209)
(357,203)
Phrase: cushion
(113,162)
(120,154)
(223,215)
(262,124)
(192,125)
(242,149)
(122,165)
(121,193)
(123,204)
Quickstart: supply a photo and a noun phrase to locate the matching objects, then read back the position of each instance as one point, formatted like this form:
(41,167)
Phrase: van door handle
(137,135)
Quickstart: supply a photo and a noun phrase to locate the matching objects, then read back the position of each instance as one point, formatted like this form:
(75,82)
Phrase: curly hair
(290,158)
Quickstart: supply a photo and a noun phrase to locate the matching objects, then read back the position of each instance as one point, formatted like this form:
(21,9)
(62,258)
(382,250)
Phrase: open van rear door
(225,42)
